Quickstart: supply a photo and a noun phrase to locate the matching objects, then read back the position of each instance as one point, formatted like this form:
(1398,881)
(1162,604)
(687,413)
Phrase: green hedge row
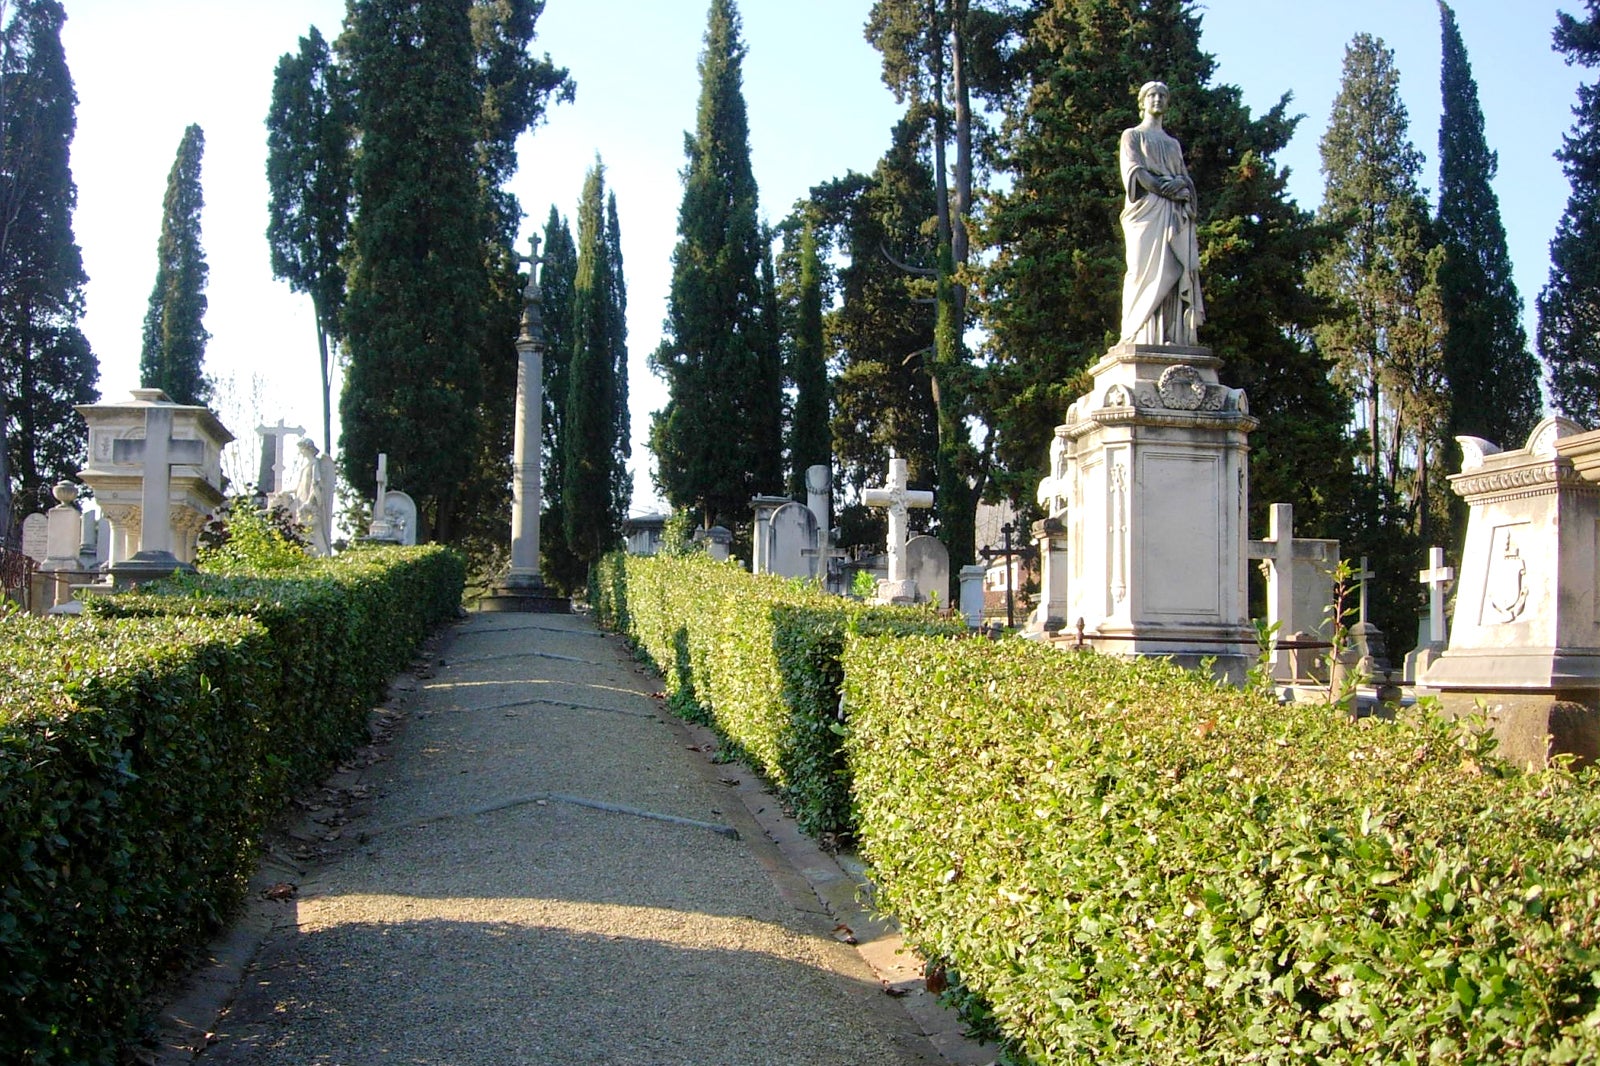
(758,658)
(142,750)
(1133,865)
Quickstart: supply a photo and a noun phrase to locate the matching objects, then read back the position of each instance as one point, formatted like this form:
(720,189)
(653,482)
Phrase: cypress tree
(556,276)
(1494,379)
(1569,304)
(1053,291)
(718,441)
(309,137)
(622,440)
(174,334)
(46,364)
(592,521)
(809,439)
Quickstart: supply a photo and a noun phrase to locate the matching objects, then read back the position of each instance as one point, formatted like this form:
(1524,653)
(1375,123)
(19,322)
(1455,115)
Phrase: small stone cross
(896,498)
(380,517)
(1437,577)
(1363,575)
(273,438)
(533,260)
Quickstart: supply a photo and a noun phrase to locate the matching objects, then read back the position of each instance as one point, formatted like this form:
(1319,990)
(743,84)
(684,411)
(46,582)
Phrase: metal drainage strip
(560,797)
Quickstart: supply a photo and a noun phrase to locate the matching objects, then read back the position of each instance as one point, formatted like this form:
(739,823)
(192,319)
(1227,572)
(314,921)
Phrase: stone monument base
(145,566)
(1533,726)
(519,594)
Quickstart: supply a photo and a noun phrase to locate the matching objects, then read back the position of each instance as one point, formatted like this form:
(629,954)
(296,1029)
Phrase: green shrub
(1133,865)
(130,758)
(758,658)
(143,749)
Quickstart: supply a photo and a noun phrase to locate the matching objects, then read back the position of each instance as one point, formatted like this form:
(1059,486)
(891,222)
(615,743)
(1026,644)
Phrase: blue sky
(146,69)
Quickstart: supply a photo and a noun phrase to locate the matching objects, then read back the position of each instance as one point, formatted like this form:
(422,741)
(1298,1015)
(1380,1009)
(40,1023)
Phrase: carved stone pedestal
(1156,473)
(523,595)
(1525,636)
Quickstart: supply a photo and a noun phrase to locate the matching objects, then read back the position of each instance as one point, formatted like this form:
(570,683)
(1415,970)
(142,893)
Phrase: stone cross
(272,439)
(1363,575)
(533,260)
(1278,552)
(160,453)
(379,526)
(896,498)
(1437,576)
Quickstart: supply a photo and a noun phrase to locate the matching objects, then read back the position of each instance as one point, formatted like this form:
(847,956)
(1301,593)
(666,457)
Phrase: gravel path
(542,872)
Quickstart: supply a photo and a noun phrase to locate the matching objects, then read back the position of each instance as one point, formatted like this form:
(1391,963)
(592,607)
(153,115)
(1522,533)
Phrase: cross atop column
(380,516)
(272,444)
(1437,577)
(897,499)
(1363,575)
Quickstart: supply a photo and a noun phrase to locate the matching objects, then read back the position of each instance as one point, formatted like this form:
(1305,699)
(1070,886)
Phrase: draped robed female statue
(1161,301)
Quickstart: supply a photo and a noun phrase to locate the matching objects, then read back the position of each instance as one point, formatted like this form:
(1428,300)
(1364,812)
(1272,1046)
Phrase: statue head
(308,447)
(1153,88)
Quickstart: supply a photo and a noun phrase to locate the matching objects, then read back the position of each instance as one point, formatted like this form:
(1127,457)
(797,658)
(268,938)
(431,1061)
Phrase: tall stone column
(523,588)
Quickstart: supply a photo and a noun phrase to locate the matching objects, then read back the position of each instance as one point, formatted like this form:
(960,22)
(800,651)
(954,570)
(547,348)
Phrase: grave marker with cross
(1437,577)
(897,500)
(159,453)
(270,476)
(1362,575)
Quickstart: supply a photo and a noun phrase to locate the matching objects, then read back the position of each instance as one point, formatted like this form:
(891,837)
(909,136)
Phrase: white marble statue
(1161,301)
(313,496)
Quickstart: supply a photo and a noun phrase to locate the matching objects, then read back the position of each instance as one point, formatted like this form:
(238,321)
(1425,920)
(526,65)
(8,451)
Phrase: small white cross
(1363,575)
(1437,577)
(896,498)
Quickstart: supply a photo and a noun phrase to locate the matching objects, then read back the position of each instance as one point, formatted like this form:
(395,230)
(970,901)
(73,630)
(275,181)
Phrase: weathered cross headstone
(1437,577)
(897,499)
(380,527)
(1299,573)
(159,453)
(1362,575)
(269,478)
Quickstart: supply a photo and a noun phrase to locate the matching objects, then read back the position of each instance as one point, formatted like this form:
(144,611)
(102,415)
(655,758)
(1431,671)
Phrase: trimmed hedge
(757,657)
(1134,865)
(144,747)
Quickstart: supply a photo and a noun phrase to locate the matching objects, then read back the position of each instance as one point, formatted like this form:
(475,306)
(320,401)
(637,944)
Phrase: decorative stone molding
(1183,389)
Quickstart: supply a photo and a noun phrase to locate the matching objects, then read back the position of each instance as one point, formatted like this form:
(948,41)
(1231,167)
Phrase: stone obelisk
(522,588)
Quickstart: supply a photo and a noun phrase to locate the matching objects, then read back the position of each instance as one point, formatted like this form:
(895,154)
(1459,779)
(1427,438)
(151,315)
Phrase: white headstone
(928,566)
(400,515)
(36,537)
(791,534)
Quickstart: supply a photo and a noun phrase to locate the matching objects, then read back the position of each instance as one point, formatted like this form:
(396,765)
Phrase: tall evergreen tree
(622,441)
(719,439)
(809,438)
(556,277)
(590,457)
(1053,292)
(1569,304)
(1494,378)
(46,364)
(442,90)
(882,331)
(310,131)
(174,332)
(1386,332)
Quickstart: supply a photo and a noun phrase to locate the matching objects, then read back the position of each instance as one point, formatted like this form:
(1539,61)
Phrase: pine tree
(1053,291)
(309,138)
(1569,304)
(1494,378)
(556,276)
(719,440)
(1386,333)
(810,443)
(174,334)
(882,330)
(593,522)
(46,364)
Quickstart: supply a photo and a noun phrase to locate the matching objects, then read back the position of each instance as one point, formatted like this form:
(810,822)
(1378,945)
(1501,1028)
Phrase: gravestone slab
(401,512)
(928,563)
(36,537)
(792,542)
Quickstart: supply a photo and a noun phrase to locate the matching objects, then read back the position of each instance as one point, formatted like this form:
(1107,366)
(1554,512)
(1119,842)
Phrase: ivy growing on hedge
(1134,865)
(143,749)
(757,657)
